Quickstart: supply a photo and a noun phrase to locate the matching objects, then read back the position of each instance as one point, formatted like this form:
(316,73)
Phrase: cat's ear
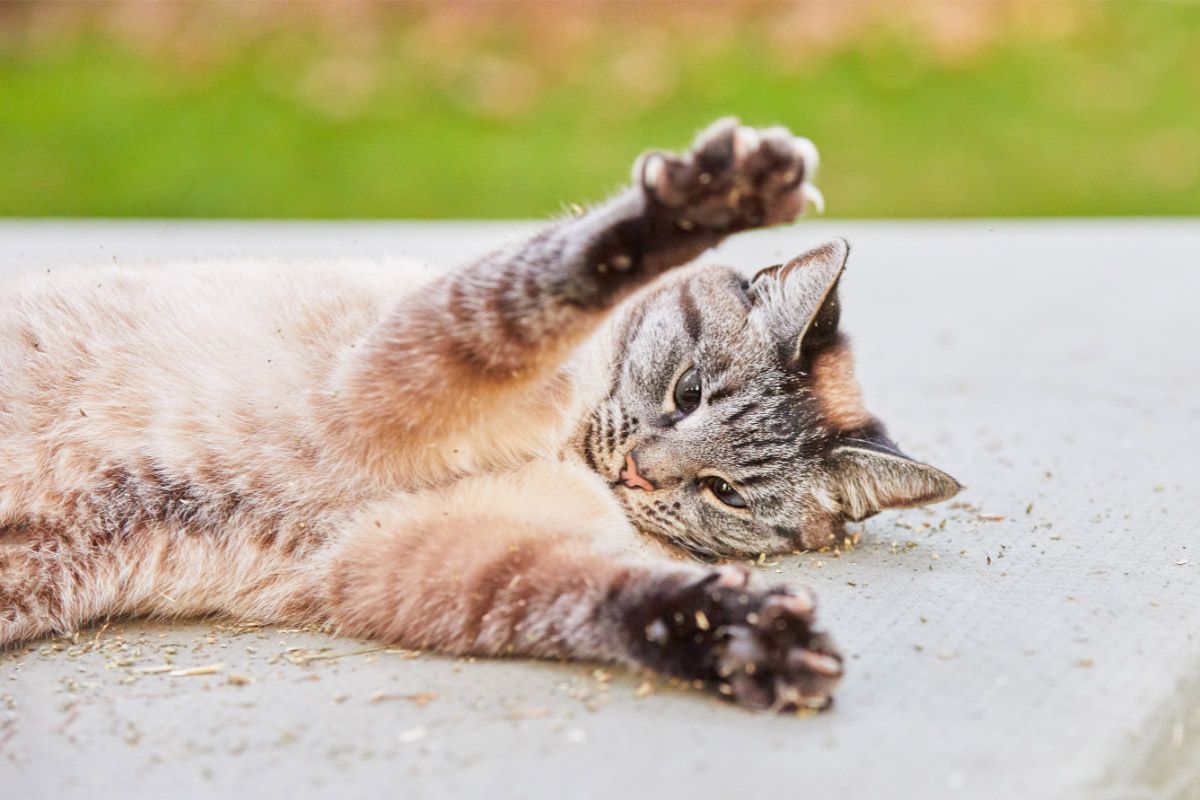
(873,478)
(800,298)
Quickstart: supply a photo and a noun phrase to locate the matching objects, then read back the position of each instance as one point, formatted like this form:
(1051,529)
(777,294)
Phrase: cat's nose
(630,476)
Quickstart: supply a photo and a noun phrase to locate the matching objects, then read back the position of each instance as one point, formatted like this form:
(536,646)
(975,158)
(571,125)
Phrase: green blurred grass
(1103,119)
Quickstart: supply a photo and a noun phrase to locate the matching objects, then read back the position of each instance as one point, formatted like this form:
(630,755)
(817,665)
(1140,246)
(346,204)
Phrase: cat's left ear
(800,298)
(874,478)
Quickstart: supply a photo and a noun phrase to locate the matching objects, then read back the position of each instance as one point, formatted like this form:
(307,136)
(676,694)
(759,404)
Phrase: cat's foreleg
(484,585)
(521,305)
(477,341)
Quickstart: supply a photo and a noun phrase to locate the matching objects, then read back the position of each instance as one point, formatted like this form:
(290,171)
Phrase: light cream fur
(228,374)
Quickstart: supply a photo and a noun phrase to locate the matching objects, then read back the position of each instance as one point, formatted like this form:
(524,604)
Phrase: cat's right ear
(799,299)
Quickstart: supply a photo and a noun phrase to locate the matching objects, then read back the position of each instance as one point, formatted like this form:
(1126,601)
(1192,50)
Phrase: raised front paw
(733,178)
(754,647)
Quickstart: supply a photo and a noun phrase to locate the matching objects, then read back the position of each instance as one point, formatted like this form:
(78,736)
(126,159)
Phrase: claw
(812,161)
(793,603)
(732,577)
(745,142)
(814,662)
(808,152)
(812,194)
(652,169)
(818,702)
(718,128)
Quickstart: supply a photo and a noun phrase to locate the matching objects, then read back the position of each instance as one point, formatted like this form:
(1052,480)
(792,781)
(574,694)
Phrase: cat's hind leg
(49,582)
(56,578)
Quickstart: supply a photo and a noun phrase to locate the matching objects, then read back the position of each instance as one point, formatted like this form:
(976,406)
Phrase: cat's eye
(724,492)
(688,391)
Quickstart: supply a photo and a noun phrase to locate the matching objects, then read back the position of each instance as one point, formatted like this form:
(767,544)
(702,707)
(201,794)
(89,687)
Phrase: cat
(510,458)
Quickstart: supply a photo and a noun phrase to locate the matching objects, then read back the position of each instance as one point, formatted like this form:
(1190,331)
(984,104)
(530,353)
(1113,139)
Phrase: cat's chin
(821,533)
(699,552)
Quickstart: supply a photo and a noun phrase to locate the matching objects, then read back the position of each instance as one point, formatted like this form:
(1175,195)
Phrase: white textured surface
(1046,363)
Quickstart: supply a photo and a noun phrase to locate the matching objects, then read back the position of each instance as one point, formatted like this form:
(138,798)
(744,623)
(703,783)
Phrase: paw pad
(754,647)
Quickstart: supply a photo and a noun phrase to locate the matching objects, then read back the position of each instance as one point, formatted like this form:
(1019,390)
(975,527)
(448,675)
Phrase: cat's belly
(159,384)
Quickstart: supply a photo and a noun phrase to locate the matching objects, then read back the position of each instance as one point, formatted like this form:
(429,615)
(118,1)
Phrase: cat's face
(734,423)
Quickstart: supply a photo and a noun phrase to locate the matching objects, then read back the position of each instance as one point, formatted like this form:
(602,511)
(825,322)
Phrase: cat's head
(734,423)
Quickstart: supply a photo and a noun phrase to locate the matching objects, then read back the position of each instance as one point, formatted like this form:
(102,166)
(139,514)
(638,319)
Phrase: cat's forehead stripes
(712,302)
(763,437)
(742,410)
(692,324)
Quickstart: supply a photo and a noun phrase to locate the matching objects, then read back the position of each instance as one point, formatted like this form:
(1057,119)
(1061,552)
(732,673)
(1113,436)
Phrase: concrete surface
(1040,644)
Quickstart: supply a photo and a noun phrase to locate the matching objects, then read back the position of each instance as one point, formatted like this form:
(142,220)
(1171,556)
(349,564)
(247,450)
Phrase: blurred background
(427,110)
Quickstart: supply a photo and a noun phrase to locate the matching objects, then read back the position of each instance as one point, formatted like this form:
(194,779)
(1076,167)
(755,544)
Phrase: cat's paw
(754,647)
(733,178)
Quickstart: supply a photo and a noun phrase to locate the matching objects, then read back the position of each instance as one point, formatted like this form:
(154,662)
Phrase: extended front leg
(470,349)
(482,585)
(544,294)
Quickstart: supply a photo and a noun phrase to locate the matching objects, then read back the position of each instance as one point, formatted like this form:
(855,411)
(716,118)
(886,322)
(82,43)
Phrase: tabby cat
(505,459)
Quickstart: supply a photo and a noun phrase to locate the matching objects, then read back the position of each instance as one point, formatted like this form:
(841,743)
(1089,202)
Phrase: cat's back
(108,305)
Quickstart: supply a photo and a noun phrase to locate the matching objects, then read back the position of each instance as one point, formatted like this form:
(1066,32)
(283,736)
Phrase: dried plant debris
(421,699)
(528,713)
(154,670)
(210,669)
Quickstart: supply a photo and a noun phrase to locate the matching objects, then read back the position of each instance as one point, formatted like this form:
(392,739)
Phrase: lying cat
(495,460)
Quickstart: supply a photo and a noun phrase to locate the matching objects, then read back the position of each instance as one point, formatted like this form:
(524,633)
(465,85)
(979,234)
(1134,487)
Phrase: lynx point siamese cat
(496,460)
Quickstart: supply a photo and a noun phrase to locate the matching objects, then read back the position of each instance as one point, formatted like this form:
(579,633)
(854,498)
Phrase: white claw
(745,142)
(802,600)
(808,151)
(817,702)
(799,604)
(652,169)
(812,194)
(732,577)
(819,663)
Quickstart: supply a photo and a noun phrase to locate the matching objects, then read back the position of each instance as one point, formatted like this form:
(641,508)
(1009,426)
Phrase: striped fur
(435,458)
